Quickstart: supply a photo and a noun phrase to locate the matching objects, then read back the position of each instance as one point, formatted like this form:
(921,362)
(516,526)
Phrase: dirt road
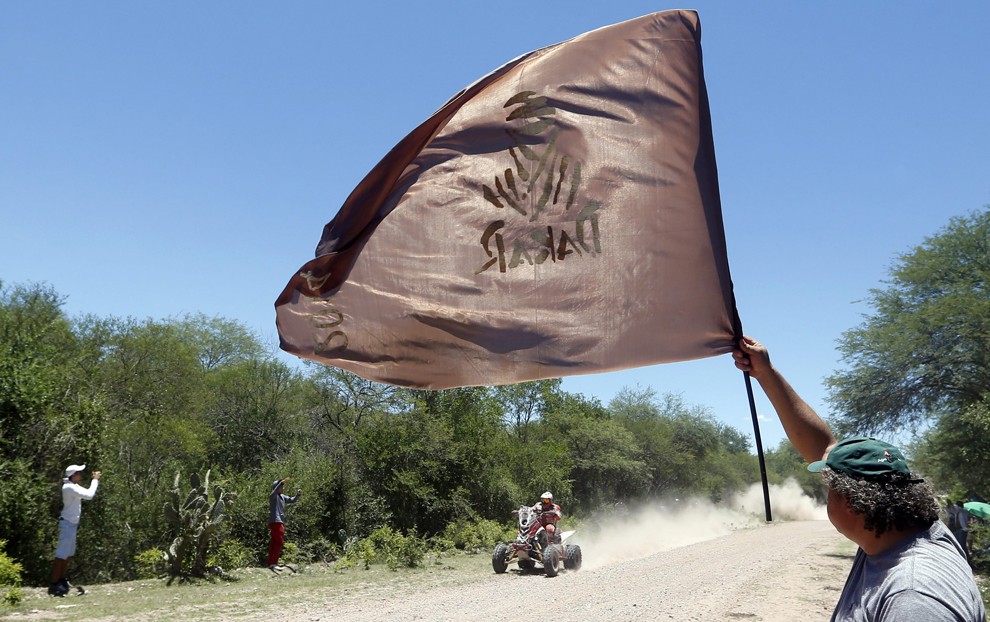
(772,573)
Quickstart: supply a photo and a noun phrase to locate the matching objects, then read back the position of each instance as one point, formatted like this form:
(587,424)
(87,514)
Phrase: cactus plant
(193,523)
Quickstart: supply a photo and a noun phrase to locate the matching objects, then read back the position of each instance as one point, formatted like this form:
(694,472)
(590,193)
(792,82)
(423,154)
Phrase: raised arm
(86,494)
(809,434)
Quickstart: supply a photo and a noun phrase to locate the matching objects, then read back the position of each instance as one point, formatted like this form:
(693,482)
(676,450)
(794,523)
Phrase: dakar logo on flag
(538,183)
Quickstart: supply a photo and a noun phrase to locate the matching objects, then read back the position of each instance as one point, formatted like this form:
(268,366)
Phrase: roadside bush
(359,551)
(388,547)
(291,554)
(411,552)
(151,564)
(12,596)
(10,577)
(479,535)
(322,550)
(440,544)
(232,554)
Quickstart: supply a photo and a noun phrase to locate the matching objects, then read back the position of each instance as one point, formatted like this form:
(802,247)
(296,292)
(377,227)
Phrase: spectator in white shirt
(72,497)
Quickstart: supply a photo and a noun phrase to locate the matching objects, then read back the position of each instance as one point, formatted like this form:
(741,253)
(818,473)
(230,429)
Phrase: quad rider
(547,513)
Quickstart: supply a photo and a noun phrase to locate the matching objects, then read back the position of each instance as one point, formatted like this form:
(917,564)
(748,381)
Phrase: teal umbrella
(978,509)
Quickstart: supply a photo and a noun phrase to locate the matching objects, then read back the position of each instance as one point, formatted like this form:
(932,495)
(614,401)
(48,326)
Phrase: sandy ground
(771,572)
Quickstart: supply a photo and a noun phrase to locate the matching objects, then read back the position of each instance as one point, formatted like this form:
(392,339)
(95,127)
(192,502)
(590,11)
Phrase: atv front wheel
(572,557)
(500,558)
(552,561)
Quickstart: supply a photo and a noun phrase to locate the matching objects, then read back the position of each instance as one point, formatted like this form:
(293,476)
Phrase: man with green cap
(908,566)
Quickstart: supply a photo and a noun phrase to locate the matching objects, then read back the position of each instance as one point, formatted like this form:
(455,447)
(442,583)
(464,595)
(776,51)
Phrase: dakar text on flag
(559,216)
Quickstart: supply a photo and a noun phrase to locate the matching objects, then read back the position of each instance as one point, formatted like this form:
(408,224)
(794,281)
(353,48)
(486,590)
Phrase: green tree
(256,410)
(956,451)
(473,419)
(527,402)
(220,342)
(686,449)
(343,409)
(440,461)
(924,352)
(604,455)
(154,388)
(345,399)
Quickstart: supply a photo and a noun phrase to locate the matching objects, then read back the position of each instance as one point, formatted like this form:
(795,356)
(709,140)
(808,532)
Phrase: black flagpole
(738,335)
(759,446)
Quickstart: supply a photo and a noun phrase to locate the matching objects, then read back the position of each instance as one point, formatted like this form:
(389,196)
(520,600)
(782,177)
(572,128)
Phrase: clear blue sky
(165,158)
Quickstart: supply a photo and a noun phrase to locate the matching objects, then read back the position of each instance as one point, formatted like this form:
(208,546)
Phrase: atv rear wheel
(572,557)
(500,558)
(552,561)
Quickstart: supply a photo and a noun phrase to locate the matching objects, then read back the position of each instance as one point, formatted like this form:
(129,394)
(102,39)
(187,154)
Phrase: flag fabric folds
(559,216)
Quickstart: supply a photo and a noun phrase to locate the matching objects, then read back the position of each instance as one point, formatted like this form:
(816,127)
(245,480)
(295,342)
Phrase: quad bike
(537,544)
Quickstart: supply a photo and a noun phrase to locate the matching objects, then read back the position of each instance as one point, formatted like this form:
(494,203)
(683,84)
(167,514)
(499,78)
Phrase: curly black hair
(896,502)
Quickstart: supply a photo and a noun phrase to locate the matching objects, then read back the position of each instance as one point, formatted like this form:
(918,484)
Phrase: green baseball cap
(863,457)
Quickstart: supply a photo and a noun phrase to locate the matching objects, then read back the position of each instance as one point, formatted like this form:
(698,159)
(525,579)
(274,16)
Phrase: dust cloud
(645,530)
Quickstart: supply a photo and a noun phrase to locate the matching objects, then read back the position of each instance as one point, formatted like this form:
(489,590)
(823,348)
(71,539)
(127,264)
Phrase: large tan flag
(559,216)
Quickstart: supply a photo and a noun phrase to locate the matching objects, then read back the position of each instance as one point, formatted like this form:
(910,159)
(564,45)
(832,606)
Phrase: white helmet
(547,498)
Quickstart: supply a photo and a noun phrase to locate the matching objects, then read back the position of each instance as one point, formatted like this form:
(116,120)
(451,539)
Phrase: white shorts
(66,547)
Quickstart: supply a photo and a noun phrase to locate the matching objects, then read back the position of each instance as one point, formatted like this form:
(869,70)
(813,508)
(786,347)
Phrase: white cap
(73,469)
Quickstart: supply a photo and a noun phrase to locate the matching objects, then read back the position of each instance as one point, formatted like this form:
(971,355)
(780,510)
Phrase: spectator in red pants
(277,501)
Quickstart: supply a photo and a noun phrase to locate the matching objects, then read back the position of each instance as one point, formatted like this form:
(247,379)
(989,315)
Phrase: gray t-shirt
(276,505)
(925,578)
